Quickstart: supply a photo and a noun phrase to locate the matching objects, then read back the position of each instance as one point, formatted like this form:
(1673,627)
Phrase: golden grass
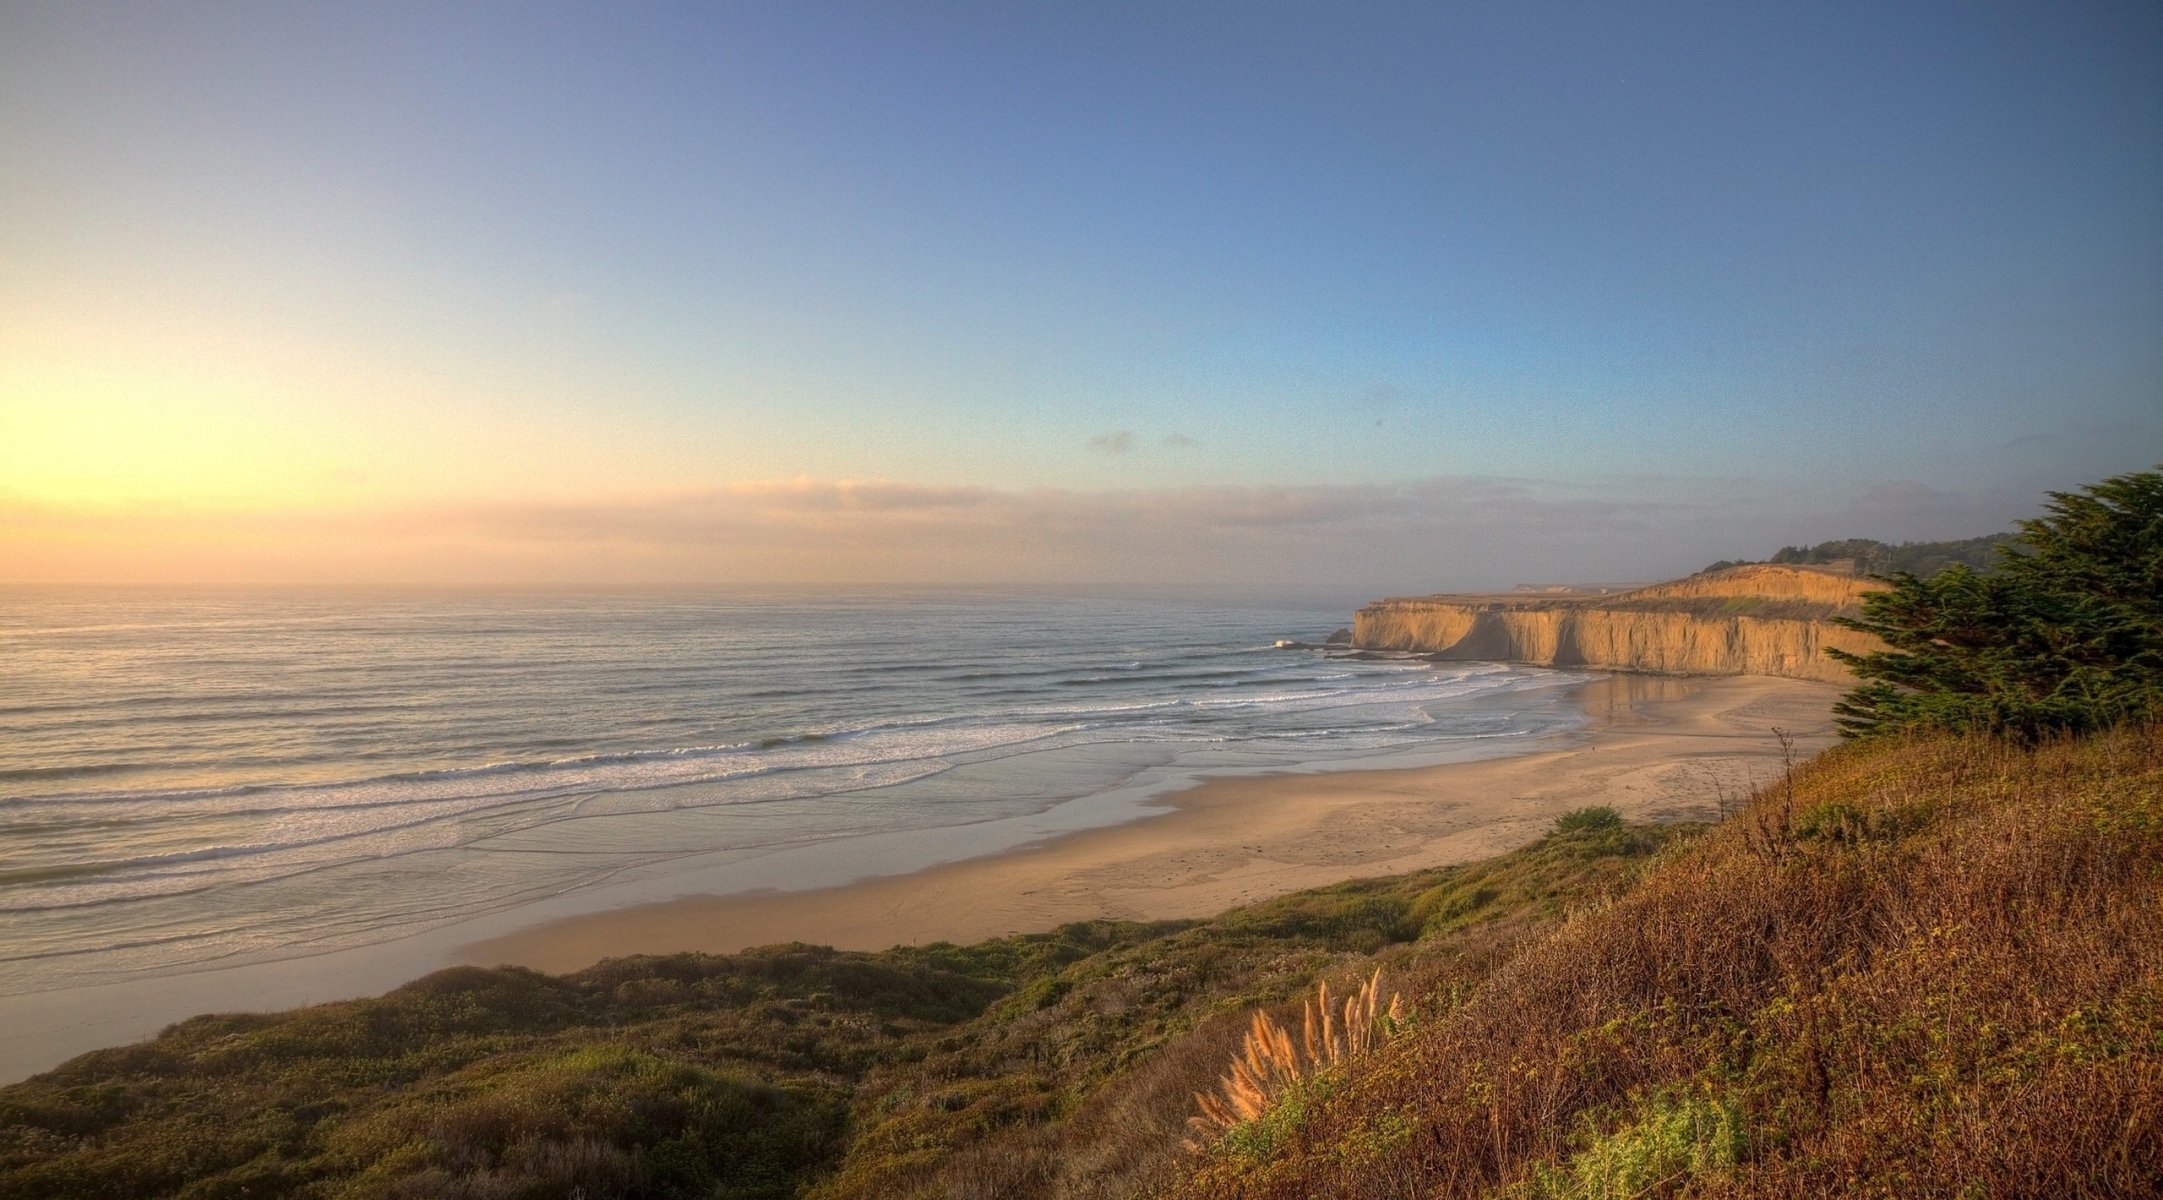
(1270,1061)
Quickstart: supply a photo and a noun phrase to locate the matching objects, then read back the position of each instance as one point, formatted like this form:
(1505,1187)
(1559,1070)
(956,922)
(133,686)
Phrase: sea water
(197,778)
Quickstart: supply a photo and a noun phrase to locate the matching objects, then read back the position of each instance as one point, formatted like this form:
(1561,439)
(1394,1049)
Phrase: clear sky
(1404,297)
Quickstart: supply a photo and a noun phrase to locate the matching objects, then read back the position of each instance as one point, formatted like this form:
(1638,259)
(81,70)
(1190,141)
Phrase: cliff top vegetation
(1869,556)
(1766,591)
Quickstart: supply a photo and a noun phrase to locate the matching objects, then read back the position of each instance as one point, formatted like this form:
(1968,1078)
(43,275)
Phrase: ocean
(201,778)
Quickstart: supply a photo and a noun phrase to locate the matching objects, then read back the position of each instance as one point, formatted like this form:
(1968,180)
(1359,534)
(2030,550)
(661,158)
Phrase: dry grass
(1270,1061)
(1931,969)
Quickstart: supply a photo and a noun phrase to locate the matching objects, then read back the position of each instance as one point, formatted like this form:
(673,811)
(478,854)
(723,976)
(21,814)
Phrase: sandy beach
(1657,749)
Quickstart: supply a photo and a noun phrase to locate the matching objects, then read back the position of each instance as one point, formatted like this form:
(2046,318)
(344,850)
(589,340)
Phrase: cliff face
(1755,620)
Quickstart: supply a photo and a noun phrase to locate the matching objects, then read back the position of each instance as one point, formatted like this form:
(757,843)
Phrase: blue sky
(1755,273)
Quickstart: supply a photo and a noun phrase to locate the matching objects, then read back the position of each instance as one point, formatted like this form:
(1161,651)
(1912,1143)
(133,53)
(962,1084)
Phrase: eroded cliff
(1752,620)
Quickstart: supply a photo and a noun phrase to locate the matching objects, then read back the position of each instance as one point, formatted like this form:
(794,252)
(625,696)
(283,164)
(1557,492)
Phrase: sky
(1401,297)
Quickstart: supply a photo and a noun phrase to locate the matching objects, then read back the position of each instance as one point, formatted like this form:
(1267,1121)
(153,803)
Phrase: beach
(1656,749)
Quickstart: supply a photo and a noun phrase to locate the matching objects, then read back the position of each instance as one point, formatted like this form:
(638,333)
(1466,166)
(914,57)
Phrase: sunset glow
(263,318)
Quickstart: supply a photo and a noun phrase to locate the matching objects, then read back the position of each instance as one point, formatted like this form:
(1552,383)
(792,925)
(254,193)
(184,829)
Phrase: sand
(1658,749)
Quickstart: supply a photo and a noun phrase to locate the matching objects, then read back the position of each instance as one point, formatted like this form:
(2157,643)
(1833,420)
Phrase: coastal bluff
(1758,619)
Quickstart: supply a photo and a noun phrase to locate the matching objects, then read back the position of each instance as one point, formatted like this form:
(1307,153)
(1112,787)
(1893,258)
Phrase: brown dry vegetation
(1921,969)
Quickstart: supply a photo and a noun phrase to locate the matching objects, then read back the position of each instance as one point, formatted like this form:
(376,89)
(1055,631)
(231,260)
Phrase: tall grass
(1271,1061)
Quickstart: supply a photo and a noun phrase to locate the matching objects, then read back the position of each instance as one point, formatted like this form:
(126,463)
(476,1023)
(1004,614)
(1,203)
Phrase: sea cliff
(1750,620)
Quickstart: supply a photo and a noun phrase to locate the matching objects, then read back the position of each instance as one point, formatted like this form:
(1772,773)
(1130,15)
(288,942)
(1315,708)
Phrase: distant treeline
(1872,557)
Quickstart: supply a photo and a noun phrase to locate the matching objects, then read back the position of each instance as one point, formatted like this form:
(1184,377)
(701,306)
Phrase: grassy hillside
(1060,1064)
(1927,968)
(1932,968)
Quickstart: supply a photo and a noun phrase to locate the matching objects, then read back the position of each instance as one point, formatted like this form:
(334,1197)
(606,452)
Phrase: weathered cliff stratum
(1751,620)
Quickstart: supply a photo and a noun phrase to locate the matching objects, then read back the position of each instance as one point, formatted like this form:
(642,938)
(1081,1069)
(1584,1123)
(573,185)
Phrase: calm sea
(189,778)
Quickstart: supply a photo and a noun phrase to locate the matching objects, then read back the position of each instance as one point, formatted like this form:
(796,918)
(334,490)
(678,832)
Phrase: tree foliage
(2066,635)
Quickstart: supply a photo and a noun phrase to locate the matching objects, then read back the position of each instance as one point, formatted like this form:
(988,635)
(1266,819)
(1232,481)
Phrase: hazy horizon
(1401,299)
(1443,535)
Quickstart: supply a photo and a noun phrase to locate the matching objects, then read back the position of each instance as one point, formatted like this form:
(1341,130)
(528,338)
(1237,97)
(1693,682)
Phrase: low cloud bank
(1438,533)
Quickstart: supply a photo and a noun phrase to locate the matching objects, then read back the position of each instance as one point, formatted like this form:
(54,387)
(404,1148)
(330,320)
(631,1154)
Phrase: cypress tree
(2067,635)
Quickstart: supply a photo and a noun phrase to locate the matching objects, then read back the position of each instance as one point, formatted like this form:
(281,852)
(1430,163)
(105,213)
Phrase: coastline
(1658,748)
(1651,746)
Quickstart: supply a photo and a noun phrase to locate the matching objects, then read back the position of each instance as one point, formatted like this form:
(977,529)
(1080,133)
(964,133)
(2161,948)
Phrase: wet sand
(1658,749)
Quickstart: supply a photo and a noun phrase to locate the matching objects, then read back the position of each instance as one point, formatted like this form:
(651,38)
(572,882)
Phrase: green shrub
(1667,1141)
(1590,819)
(596,1120)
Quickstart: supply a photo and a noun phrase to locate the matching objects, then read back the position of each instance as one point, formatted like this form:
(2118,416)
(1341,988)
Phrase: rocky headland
(1748,620)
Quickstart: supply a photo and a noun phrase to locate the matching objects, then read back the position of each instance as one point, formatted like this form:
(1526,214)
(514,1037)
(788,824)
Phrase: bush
(1669,1139)
(1590,819)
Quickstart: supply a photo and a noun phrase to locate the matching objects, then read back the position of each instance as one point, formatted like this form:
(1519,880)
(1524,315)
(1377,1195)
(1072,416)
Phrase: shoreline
(1651,746)
(1656,748)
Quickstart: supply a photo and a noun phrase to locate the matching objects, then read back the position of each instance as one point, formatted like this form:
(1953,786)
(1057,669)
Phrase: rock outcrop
(1750,620)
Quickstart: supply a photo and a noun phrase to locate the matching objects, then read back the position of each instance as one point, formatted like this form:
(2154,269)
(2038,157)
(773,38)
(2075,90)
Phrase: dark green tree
(2067,634)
